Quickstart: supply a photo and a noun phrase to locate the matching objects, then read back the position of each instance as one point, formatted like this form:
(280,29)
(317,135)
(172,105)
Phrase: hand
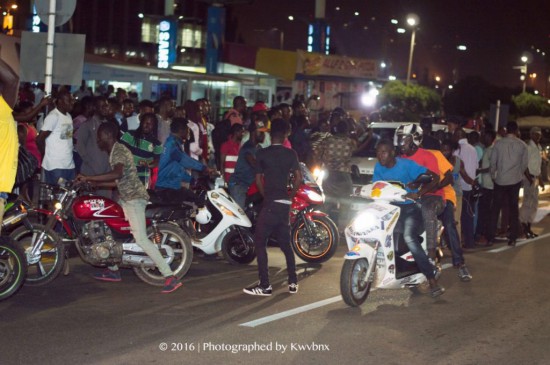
(45,100)
(81,178)
(412,196)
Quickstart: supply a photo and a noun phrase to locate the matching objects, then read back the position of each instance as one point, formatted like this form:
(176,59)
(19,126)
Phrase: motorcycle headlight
(57,205)
(315,197)
(319,175)
(364,221)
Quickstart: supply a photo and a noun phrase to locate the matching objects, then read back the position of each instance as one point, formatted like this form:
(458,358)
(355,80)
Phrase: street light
(525,59)
(412,21)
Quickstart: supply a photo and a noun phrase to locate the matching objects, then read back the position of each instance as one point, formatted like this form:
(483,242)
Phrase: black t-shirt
(276,163)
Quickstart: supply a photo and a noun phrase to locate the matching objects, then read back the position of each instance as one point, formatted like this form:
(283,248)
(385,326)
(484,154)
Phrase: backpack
(26,166)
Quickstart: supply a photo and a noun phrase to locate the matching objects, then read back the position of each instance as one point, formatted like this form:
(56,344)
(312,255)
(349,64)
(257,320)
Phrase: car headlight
(315,197)
(364,221)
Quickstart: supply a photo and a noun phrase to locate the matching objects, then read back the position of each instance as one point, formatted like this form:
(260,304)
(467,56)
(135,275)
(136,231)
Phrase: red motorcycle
(97,227)
(314,236)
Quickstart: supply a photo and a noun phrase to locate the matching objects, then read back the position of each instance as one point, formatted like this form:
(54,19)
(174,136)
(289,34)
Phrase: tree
(529,104)
(407,103)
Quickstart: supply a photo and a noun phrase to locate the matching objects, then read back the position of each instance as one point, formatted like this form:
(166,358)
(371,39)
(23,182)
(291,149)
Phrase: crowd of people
(476,176)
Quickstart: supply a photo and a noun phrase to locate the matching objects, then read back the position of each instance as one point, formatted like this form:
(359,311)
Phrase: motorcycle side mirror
(423,179)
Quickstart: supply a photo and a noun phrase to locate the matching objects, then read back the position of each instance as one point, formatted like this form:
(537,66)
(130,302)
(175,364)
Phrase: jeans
(432,206)
(274,219)
(448,220)
(506,195)
(410,223)
(134,211)
(238,193)
(467,219)
(52,176)
(484,212)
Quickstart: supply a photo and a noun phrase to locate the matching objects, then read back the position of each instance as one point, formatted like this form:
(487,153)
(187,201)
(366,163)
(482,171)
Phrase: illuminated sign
(167,43)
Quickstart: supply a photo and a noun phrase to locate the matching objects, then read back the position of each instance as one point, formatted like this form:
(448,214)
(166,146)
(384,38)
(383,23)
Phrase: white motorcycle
(221,225)
(377,256)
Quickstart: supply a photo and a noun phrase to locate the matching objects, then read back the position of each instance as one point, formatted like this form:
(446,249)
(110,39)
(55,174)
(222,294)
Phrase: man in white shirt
(531,183)
(468,155)
(55,141)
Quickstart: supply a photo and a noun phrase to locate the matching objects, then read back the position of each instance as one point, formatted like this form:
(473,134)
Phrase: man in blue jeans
(273,167)
(391,168)
(133,199)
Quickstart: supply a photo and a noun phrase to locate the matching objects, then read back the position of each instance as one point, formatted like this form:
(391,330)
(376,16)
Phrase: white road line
(291,312)
(305,308)
(519,243)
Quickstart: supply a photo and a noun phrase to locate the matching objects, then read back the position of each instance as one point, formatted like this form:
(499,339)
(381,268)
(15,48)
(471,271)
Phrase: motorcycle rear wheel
(319,251)
(354,285)
(238,251)
(52,255)
(13,268)
(180,263)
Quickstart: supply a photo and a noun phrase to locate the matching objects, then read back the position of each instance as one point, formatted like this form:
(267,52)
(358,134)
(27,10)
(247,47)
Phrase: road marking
(291,312)
(302,309)
(519,243)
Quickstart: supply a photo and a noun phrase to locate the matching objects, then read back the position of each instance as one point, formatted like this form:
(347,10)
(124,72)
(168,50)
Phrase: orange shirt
(444,166)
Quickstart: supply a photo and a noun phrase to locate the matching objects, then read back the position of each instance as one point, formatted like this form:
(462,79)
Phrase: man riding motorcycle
(391,168)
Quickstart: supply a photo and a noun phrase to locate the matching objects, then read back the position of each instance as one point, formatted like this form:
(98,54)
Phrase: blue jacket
(173,163)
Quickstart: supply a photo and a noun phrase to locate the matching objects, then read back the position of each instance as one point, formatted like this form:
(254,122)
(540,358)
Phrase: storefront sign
(316,64)
(167,43)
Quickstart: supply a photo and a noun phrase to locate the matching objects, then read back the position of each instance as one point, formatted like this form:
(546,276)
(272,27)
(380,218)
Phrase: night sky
(496,33)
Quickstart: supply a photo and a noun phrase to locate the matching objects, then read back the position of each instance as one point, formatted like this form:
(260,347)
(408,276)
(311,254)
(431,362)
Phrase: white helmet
(203,216)
(408,129)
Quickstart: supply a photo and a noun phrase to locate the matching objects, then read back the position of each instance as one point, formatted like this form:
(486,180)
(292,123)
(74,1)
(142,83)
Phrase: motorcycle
(314,236)
(97,227)
(13,268)
(221,225)
(377,255)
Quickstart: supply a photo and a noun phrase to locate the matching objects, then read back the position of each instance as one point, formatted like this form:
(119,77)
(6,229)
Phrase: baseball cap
(536,130)
(259,107)
(257,126)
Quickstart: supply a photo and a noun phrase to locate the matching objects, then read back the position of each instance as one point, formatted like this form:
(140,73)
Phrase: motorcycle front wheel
(13,268)
(238,247)
(45,268)
(179,262)
(320,245)
(354,284)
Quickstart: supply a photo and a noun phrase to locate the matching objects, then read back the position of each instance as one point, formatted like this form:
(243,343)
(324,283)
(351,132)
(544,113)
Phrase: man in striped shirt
(145,148)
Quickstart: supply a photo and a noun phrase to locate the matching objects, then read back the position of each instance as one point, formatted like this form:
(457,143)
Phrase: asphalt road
(501,317)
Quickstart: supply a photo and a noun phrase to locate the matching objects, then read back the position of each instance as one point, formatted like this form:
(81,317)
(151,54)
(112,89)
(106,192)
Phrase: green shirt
(147,149)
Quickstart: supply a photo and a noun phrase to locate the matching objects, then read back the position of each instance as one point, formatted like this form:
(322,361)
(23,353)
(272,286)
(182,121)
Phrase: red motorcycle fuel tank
(91,207)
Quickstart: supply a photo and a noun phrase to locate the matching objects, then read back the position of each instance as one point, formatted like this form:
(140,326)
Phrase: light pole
(524,59)
(412,20)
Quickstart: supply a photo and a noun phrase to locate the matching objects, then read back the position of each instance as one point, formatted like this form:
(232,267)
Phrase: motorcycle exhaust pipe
(13,219)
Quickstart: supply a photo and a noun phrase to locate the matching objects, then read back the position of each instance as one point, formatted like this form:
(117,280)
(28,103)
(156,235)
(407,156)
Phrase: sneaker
(171,284)
(436,291)
(293,288)
(464,273)
(108,275)
(258,290)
